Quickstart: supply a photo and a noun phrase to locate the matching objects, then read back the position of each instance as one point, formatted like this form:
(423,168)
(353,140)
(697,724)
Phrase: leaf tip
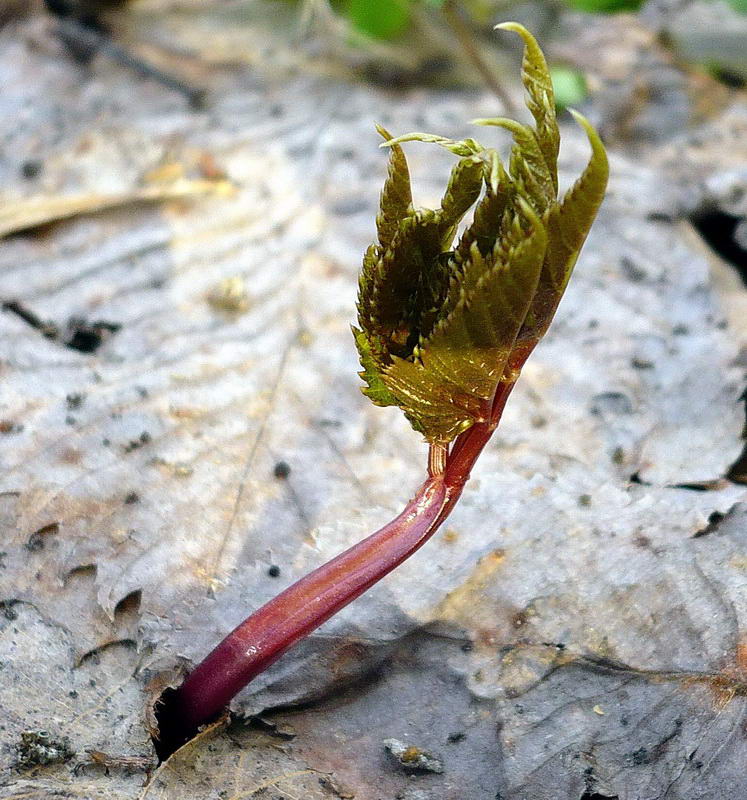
(591,132)
(516,27)
(383,132)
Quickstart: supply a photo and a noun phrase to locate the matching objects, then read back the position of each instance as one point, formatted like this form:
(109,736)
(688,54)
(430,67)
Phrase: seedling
(444,330)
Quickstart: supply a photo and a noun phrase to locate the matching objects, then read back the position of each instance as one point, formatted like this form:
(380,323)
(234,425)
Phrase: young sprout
(444,329)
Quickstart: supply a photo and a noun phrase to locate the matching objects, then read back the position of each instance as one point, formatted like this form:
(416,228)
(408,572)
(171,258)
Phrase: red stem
(274,628)
(271,630)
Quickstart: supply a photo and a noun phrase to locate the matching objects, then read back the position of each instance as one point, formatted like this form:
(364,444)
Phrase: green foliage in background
(383,19)
(739,5)
(388,19)
(604,6)
(569,85)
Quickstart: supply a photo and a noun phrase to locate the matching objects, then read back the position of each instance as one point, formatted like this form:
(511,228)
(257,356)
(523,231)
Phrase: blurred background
(653,67)
(644,72)
(186,191)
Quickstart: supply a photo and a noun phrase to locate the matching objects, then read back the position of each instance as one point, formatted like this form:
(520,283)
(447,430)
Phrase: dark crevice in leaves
(737,472)
(38,539)
(714,520)
(720,232)
(81,571)
(699,486)
(129,604)
(596,796)
(588,795)
(93,654)
(170,733)
(7,610)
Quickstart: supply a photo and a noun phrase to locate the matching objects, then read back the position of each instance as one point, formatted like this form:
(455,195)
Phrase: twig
(87,40)
(464,37)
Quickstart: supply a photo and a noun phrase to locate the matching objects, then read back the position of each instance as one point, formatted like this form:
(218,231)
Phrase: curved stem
(274,628)
(271,630)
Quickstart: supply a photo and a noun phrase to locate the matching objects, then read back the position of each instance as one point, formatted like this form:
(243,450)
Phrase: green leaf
(451,383)
(463,189)
(441,328)
(384,19)
(465,147)
(540,95)
(568,225)
(604,6)
(400,270)
(569,85)
(528,163)
(396,197)
(376,388)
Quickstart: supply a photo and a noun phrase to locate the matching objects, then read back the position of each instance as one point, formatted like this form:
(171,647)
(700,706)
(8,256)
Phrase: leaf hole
(94,654)
(81,572)
(596,796)
(129,605)
(38,539)
(737,472)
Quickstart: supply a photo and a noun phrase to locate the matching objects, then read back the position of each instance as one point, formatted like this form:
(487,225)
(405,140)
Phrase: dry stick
(90,40)
(464,37)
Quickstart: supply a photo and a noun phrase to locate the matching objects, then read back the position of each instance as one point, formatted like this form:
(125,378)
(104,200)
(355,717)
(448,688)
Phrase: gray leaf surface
(578,627)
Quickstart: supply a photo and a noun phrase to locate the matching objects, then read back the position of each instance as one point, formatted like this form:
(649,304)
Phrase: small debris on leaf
(87,337)
(31,168)
(283,730)
(39,748)
(330,783)
(75,400)
(139,442)
(413,758)
(281,470)
(230,296)
(413,793)
(108,762)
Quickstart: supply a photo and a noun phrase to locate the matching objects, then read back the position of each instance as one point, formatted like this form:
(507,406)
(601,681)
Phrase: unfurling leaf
(443,324)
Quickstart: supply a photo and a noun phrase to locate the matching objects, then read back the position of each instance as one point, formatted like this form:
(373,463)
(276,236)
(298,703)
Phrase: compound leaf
(459,365)
(441,328)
